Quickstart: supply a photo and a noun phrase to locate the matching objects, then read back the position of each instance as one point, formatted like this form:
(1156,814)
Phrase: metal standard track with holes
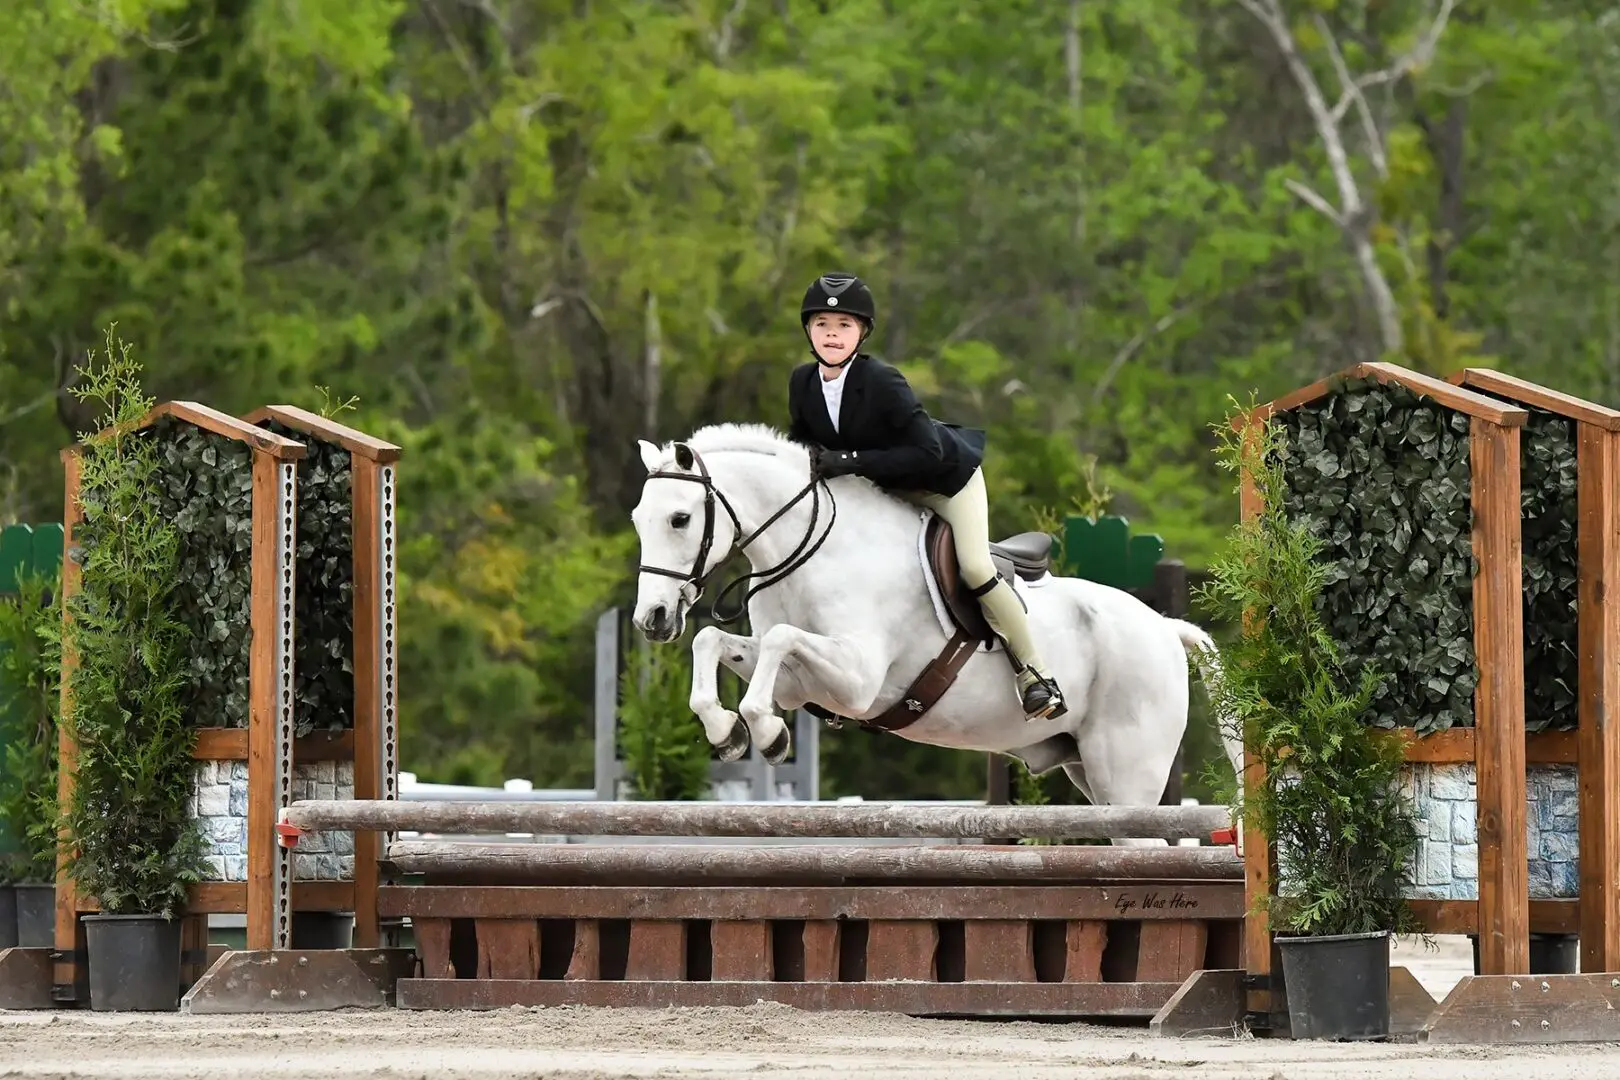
(807,820)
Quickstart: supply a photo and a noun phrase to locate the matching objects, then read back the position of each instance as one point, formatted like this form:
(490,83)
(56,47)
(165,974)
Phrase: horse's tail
(1206,656)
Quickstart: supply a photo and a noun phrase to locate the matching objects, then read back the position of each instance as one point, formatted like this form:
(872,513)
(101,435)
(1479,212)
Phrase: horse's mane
(746,438)
(765,440)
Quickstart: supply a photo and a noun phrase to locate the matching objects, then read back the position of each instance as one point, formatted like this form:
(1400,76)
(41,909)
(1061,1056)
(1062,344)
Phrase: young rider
(860,416)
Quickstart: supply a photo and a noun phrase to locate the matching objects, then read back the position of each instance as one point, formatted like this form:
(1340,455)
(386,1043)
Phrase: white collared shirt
(833,391)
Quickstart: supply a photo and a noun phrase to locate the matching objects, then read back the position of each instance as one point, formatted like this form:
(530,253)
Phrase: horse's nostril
(658,617)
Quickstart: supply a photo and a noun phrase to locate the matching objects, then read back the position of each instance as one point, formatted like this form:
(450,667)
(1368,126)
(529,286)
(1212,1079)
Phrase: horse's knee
(779,637)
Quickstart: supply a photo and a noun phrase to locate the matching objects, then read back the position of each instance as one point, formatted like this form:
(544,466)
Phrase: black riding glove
(830,463)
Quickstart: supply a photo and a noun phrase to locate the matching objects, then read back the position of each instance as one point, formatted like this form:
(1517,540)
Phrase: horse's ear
(650,456)
(683,455)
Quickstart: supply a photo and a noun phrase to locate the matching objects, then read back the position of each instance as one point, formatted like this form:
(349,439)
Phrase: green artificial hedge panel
(1384,478)
(1548,501)
(207,491)
(1549,523)
(324,654)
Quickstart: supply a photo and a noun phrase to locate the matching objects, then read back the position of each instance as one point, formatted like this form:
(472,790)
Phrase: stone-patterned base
(220,804)
(1448,857)
(1555,831)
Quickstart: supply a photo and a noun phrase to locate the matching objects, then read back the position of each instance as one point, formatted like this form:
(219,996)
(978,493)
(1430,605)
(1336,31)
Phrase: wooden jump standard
(1503,1003)
(272,894)
(1597,736)
(373,745)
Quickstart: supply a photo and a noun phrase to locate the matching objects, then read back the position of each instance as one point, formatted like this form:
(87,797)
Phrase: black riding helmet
(843,293)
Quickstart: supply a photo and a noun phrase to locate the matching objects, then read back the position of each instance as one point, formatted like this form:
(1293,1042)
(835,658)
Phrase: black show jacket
(899,445)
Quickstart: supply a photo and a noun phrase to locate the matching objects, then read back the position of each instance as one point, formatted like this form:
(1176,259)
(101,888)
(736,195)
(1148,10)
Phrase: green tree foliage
(524,234)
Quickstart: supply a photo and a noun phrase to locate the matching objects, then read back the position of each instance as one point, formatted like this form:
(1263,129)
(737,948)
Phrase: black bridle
(697,577)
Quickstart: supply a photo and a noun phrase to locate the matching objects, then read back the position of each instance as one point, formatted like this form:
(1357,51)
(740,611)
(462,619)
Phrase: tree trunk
(1446,145)
(652,368)
(1379,293)
(607,387)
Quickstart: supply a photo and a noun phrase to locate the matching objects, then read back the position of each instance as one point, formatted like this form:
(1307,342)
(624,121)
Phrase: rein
(697,577)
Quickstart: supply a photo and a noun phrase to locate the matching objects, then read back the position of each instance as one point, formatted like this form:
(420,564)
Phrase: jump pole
(775,820)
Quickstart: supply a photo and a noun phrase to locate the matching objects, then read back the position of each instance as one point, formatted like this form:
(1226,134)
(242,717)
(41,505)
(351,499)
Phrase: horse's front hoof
(780,747)
(736,744)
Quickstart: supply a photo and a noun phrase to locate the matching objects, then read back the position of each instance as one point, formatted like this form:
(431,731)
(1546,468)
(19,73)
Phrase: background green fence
(25,550)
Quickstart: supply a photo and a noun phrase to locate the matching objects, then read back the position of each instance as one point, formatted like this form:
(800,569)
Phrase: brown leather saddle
(1027,555)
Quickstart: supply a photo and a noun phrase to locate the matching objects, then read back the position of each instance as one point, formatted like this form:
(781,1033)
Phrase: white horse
(849,620)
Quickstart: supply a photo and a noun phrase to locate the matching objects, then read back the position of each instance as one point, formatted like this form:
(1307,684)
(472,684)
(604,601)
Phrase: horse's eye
(681,521)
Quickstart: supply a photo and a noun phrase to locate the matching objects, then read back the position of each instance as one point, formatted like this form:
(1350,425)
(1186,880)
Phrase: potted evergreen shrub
(1330,800)
(30,622)
(133,846)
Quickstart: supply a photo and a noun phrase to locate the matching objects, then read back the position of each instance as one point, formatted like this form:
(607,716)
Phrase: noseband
(697,577)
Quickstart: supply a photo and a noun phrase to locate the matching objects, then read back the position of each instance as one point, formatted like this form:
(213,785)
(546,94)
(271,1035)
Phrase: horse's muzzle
(661,624)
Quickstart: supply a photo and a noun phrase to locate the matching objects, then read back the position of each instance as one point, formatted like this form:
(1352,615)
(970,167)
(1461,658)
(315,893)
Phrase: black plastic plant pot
(8,916)
(1337,985)
(36,915)
(322,930)
(1550,954)
(134,963)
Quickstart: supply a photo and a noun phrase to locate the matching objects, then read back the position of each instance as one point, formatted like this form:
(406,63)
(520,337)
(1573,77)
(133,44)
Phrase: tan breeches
(968,513)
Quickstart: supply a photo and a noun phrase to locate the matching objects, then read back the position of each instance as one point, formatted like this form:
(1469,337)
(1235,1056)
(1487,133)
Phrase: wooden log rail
(871,820)
(600,864)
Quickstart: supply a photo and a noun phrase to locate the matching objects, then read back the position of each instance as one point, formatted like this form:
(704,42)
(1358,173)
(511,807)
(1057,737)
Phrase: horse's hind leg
(1126,762)
(1076,772)
(1077,776)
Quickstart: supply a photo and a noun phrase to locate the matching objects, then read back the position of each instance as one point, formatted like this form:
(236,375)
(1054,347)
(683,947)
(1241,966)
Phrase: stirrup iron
(1053,706)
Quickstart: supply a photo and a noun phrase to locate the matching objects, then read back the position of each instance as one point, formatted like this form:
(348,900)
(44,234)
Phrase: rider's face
(834,335)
